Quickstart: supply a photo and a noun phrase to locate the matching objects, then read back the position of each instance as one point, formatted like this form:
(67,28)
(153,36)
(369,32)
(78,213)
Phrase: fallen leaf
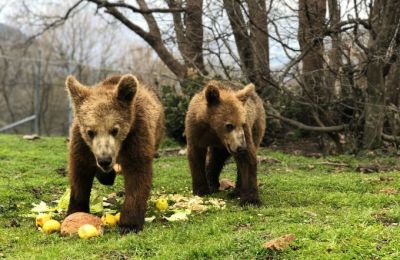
(226,184)
(389,191)
(386,178)
(41,207)
(179,216)
(280,243)
(217,203)
(150,219)
(63,202)
(96,201)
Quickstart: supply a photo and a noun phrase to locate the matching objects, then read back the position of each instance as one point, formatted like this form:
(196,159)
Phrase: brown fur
(212,114)
(132,108)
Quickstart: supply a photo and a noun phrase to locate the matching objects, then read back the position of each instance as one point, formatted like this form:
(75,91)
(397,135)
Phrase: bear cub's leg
(197,163)
(236,191)
(216,161)
(137,180)
(81,185)
(247,169)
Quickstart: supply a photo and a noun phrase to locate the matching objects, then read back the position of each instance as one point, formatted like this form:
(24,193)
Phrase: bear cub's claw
(250,202)
(125,229)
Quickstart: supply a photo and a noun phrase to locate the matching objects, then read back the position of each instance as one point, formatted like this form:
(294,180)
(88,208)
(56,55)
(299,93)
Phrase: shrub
(176,105)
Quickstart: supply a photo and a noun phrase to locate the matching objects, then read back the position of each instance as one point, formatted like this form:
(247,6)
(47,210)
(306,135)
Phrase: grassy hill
(334,211)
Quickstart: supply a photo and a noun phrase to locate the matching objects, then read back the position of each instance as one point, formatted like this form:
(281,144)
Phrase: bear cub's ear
(77,92)
(212,95)
(127,88)
(246,92)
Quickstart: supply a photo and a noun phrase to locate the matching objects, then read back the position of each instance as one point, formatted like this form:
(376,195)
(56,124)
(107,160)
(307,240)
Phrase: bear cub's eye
(229,127)
(114,131)
(91,133)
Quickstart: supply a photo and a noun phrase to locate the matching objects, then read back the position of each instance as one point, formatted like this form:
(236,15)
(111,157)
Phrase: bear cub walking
(117,121)
(221,122)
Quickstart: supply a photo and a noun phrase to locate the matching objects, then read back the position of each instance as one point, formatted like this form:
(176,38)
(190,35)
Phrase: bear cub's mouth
(105,170)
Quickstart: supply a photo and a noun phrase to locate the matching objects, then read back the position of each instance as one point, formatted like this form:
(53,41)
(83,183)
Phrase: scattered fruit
(87,231)
(51,226)
(41,219)
(161,204)
(73,222)
(117,217)
(109,220)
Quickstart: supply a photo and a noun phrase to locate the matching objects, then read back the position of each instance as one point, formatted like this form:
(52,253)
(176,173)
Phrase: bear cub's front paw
(126,229)
(202,191)
(250,201)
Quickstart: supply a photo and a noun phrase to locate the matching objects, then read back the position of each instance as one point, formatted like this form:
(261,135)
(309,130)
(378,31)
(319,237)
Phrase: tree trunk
(335,58)
(393,100)
(383,47)
(310,35)
(260,46)
(252,41)
(189,33)
(192,52)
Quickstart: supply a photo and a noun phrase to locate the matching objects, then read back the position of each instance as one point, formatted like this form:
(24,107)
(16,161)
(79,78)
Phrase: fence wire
(32,91)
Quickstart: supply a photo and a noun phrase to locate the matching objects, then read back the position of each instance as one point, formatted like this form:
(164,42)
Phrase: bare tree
(250,29)
(311,35)
(382,51)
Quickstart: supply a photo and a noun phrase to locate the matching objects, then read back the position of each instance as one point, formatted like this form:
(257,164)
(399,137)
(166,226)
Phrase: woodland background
(327,70)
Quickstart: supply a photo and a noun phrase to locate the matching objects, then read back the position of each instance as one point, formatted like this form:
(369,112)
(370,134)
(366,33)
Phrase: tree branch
(106,4)
(274,113)
(57,22)
(153,37)
(391,138)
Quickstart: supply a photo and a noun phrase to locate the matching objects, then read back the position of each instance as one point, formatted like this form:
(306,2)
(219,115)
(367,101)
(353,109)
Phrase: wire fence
(32,93)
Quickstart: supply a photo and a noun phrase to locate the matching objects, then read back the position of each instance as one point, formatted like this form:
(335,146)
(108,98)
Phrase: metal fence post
(37,95)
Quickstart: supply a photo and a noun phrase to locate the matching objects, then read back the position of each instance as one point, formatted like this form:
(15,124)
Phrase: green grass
(335,213)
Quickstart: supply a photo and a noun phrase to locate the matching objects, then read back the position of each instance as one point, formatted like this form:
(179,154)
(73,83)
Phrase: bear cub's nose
(105,161)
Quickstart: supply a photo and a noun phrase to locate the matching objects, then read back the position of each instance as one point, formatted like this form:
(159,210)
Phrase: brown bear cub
(117,121)
(221,122)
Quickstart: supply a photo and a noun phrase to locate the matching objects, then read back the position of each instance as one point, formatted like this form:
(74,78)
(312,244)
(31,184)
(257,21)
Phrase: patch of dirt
(368,168)
(383,217)
(306,147)
(37,192)
(389,191)
(242,226)
(12,224)
(386,178)
(61,171)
